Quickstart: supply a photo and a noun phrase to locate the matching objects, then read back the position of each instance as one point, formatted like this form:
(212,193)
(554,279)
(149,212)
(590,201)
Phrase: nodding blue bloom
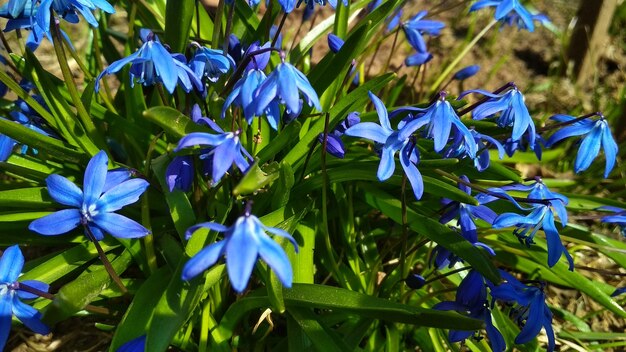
(226,150)
(441,120)
(471,300)
(311,3)
(284,84)
(103,193)
(597,134)
(532,312)
(334,145)
(513,112)
(334,43)
(210,63)
(418,59)
(69,9)
(243,95)
(507,8)
(394,21)
(11,264)
(541,216)
(482,160)
(243,243)
(415,281)
(511,146)
(135,345)
(392,141)
(152,63)
(416,27)
(618,218)
(466,72)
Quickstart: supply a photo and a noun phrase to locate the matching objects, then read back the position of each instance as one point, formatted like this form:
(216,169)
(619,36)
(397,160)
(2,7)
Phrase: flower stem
(26,288)
(280,28)
(458,58)
(497,91)
(105,261)
(83,115)
(393,49)
(242,66)
(442,276)
(561,124)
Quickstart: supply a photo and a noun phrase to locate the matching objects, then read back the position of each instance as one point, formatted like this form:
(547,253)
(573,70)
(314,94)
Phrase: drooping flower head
(512,112)
(541,216)
(210,63)
(103,193)
(392,141)
(417,26)
(243,243)
(285,84)
(471,300)
(596,134)
(69,10)
(152,64)
(506,9)
(334,145)
(11,264)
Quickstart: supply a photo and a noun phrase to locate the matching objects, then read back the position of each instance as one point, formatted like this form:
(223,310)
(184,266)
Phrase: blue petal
(381,110)
(202,260)
(387,164)
(200,138)
(96,232)
(95,177)
(533,322)
(274,255)
(11,264)
(459,335)
(370,131)
(164,66)
(287,88)
(64,191)
(223,158)
(281,233)
(135,345)
(241,252)
(266,93)
(589,149)
(120,226)
(56,223)
(127,192)
(504,8)
(610,149)
(115,177)
(209,225)
(5,319)
(412,173)
(116,66)
(6,147)
(30,317)
(307,90)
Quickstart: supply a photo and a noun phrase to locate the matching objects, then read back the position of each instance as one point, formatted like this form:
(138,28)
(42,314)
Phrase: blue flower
(418,59)
(532,313)
(417,26)
(226,150)
(93,206)
(210,63)
(458,148)
(334,145)
(415,281)
(471,300)
(152,63)
(243,95)
(284,84)
(619,218)
(11,265)
(466,72)
(243,243)
(504,9)
(513,112)
(334,43)
(68,10)
(135,345)
(597,134)
(392,141)
(541,216)
(441,120)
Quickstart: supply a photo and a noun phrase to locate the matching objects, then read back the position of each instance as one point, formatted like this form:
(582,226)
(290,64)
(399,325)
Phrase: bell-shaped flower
(513,112)
(210,63)
(285,84)
(541,216)
(243,243)
(334,145)
(504,8)
(597,134)
(152,64)
(532,312)
(416,27)
(392,141)
(618,218)
(243,96)
(11,264)
(458,149)
(69,9)
(94,206)
(466,72)
(471,300)
(226,150)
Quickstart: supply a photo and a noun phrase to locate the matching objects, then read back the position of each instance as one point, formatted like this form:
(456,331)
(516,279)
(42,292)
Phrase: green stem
(83,115)
(105,261)
(458,58)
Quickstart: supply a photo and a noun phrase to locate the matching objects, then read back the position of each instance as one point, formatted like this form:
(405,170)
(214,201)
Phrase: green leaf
(434,231)
(321,337)
(255,178)
(74,296)
(35,197)
(172,121)
(176,305)
(138,315)
(178,16)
